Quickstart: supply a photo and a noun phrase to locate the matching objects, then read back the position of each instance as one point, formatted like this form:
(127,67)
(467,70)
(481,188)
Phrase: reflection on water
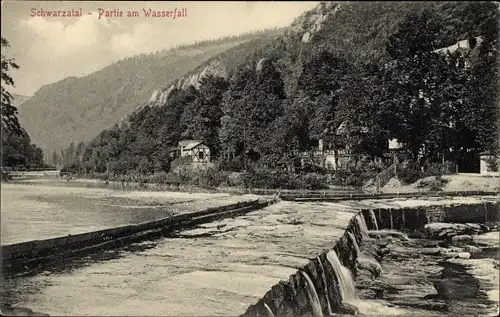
(32,212)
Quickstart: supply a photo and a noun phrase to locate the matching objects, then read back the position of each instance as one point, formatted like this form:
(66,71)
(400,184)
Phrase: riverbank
(157,187)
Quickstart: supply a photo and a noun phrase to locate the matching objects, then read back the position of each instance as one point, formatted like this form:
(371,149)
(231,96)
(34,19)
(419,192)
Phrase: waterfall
(348,291)
(313,296)
(354,242)
(269,311)
(390,214)
(360,219)
(323,276)
(344,277)
(485,210)
(374,220)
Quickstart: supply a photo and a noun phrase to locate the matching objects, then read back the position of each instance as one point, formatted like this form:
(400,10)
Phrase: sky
(49,49)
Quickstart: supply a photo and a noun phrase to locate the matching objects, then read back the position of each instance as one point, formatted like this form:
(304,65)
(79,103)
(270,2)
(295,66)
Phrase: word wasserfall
(149,13)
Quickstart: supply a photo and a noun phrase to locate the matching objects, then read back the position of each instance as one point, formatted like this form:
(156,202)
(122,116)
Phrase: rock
(348,309)
(474,226)
(445,230)
(431,251)
(306,37)
(430,244)
(19,311)
(387,234)
(461,239)
(446,233)
(370,265)
(384,252)
(472,249)
(382,244)
(454,252)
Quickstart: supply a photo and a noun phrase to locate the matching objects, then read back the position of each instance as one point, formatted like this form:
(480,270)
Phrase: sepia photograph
(250,158)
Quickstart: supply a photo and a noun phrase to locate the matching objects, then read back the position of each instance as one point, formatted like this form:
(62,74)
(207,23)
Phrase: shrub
(492,163)
(434,185)
(314,181)
(353,177)
(409,173)
(271,179)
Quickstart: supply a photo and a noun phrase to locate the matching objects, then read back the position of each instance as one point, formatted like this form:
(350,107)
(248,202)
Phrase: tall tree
(10,123)
(17,149)
(417,74)
(201,119)
(255,99)
(320,83)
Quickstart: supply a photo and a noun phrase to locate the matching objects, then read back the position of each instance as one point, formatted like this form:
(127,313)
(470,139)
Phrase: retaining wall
(329,196)
(295,296)
(16,257)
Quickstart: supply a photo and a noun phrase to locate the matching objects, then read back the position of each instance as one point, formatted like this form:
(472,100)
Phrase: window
(201,155)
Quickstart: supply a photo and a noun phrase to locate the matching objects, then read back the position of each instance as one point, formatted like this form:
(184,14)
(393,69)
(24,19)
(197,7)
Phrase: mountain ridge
(76,109)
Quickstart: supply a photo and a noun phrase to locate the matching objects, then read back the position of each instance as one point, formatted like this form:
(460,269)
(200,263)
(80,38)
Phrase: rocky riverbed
(453,272)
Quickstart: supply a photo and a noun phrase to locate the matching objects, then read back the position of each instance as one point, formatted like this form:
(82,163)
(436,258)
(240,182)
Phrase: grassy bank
(214,179)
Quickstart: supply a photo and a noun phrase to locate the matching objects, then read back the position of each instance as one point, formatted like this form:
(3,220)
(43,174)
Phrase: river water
(43,211)
(218,269)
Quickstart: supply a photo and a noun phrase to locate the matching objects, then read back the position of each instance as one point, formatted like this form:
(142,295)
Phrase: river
(43,211)
(218,269)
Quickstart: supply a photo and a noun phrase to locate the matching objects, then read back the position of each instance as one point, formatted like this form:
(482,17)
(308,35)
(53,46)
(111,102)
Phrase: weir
(28,256)
(336,293)
(287,259)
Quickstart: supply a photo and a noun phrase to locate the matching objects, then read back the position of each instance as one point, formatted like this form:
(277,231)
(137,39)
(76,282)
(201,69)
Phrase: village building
(193,151)
(489,164)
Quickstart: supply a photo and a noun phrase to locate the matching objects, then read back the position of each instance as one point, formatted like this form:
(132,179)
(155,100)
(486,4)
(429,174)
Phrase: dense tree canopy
(439,106)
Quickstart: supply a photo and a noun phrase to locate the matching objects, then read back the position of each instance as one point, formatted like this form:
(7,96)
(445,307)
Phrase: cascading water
(485,210)
(269,311)
(313,296)
(374,220)
(344,277)
(348,291)
(362,225)
(355,243)
(392,221)
(325,283)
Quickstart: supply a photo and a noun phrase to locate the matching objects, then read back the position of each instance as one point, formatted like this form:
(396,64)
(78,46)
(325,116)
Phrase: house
(489,164)
(465,47)
(193,151)
(327,155)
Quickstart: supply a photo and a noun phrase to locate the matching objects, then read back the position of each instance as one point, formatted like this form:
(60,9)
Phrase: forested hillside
(370,67)
(76,109)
